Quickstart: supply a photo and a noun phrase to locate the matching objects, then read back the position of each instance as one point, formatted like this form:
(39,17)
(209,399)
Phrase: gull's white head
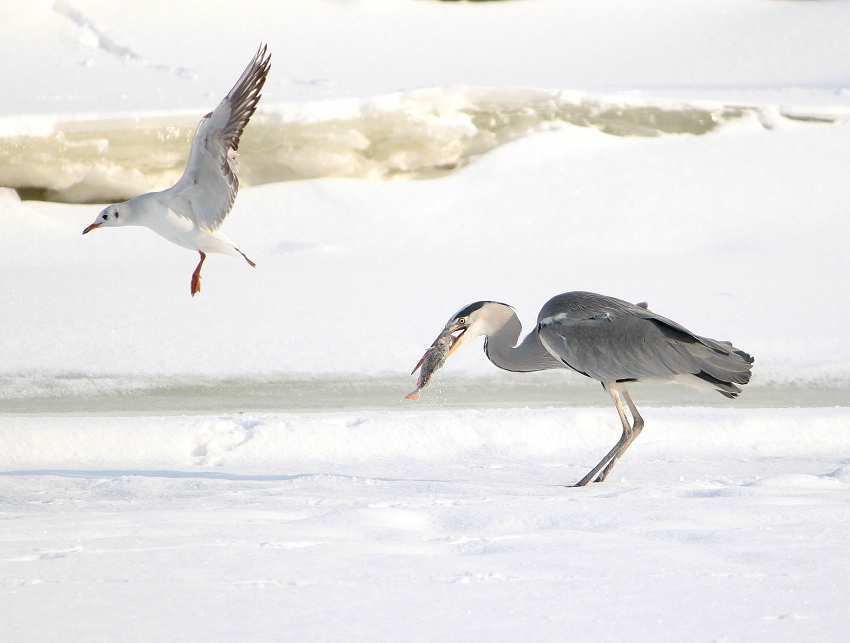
(112,216)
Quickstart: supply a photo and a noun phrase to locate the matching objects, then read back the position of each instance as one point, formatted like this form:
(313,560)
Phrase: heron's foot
(601,470)
(588,478)
(583,482)
(601,477)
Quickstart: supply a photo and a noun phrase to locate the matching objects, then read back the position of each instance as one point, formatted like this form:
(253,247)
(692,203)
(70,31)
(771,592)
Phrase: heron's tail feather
(718,364)
(723,370)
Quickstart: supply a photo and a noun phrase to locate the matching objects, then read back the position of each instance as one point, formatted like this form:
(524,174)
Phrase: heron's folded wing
(721,347)
(614,346)
(208,186)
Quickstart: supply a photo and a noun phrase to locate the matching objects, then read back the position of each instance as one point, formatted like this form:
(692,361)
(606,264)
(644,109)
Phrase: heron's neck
(501,349)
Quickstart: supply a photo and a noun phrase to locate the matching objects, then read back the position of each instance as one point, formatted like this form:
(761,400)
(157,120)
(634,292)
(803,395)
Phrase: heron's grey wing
(611,346)
(718,360)
(609,339)
(722,347)
(208,187)
(586,304)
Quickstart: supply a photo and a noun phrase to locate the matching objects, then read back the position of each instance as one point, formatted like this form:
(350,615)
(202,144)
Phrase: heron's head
(110,217)
(480,318)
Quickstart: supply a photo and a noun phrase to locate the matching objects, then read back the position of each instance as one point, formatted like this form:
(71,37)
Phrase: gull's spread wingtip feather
(209,185)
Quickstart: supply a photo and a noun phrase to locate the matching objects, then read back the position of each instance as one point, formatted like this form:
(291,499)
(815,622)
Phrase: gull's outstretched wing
(208,187)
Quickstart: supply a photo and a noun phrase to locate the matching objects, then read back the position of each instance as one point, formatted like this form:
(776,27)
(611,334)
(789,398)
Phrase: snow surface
(418,523)
(717,525)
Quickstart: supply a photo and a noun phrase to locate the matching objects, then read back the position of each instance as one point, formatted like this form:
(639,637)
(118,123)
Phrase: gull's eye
(105,217)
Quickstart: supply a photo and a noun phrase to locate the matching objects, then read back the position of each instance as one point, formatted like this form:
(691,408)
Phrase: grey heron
(607,339)
(191,212)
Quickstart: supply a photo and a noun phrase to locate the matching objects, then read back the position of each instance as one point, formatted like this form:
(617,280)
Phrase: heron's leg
(637,427)
(196,276)
(624,439)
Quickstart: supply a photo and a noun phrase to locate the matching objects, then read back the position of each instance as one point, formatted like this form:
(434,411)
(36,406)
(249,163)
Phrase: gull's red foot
(196,276)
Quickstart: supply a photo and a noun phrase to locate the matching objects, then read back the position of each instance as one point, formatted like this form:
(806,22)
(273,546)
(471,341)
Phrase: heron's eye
(462,320)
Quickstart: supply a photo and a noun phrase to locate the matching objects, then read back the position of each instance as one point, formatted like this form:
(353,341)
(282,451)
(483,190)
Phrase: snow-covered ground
(718,525)
(692,155)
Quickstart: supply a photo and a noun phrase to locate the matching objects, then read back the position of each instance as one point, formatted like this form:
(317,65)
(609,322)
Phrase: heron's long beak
(456,345)
(91,227)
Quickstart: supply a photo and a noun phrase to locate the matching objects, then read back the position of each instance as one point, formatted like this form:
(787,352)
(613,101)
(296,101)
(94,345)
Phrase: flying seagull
(603,338)
(191,212)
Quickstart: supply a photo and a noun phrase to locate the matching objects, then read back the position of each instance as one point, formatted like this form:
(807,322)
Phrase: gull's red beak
(91,227)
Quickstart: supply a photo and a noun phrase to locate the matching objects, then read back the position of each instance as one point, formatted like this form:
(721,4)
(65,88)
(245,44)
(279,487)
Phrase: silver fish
(431,361)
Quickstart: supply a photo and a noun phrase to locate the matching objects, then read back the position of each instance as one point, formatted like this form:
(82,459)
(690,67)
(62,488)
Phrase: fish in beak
(441,338)
(433,359)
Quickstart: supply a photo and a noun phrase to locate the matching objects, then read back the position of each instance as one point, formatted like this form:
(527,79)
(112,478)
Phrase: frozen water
(422,134)
(146,395)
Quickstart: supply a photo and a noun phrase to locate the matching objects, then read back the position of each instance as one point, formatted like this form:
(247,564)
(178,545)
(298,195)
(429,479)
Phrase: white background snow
(417,523)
